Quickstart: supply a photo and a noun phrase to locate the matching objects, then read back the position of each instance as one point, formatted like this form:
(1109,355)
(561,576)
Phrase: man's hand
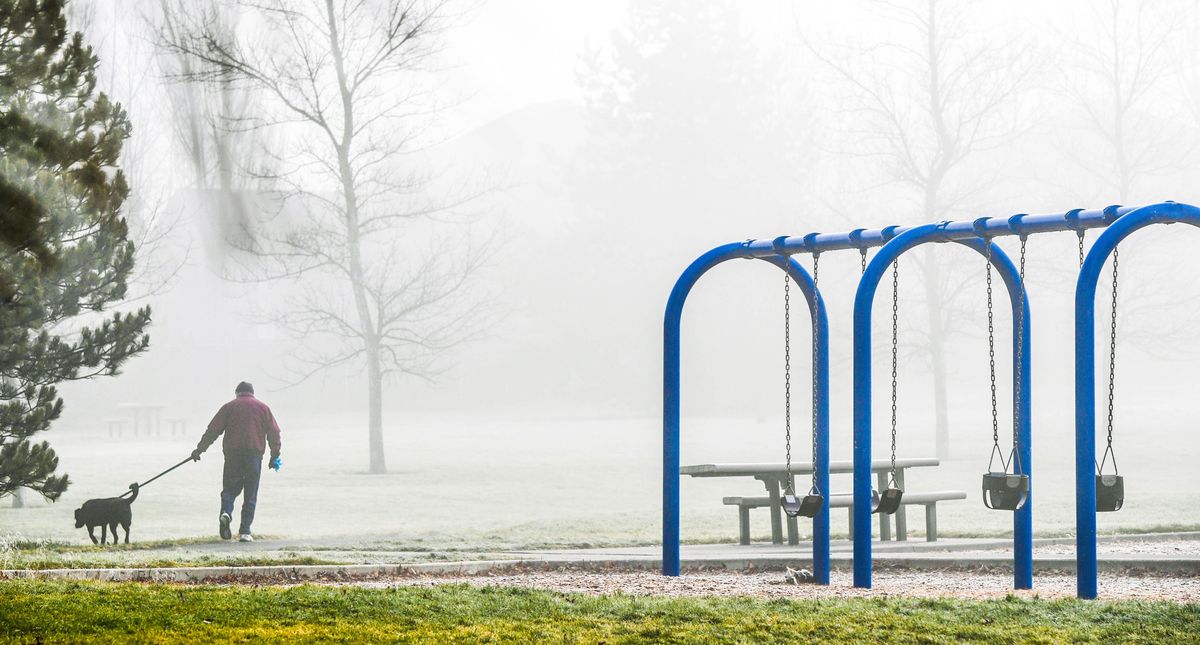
(276,463)
(196,454)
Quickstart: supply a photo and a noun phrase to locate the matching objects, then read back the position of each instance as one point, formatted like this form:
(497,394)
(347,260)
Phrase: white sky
(507,54)
(512,53)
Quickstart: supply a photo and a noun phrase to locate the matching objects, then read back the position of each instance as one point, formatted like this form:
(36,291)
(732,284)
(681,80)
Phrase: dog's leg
(126,525)
(91,533)
(103,534)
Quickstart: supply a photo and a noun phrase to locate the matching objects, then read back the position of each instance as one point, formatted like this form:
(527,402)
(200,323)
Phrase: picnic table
(775,477)
(149,413)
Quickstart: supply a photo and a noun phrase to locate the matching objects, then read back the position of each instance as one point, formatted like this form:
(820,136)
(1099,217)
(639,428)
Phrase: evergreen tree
(65,255)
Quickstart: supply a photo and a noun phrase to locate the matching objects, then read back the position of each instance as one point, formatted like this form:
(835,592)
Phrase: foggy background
(604,146)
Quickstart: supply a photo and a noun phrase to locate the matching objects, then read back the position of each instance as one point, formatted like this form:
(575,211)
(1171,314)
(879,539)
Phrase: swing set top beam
(862,239)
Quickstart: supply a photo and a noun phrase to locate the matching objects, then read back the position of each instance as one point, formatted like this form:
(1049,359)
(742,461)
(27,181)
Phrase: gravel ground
(955,584)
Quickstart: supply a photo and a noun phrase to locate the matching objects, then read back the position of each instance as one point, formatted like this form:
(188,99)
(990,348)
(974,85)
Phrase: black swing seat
(1005,491)
(887,503)
(1110,493)
(808,506)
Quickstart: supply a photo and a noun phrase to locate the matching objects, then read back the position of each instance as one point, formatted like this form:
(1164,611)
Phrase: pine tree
(65,255)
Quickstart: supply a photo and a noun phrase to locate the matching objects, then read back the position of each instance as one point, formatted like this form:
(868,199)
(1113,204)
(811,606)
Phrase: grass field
(473,484)
(79,612)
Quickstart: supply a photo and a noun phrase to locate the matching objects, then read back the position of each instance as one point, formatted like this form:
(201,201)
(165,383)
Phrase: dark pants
(243,469)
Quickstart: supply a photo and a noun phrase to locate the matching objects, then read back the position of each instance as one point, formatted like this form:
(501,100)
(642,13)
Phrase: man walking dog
(249,427)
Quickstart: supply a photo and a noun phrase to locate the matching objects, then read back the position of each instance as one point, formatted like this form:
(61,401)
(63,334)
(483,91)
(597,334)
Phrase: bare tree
(342,90)
(161,255)
(1113,85)
(926,108)
(209,120)
(1120,83)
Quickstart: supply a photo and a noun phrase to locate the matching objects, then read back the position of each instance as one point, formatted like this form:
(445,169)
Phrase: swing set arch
(863,306)
(671,394)
(1085,375)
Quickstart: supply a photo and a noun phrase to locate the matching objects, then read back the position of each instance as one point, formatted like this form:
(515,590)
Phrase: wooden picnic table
(774,475)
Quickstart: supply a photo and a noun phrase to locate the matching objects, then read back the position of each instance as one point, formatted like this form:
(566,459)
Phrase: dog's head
(78,518)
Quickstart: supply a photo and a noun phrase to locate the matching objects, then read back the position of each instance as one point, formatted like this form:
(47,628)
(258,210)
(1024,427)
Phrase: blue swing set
(1003,490)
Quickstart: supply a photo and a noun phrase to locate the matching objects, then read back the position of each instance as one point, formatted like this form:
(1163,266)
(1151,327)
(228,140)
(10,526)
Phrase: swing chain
(991,336)
(817,293)
(1112,365)
(862,255)
(1081,233)
(895,353)
(787,371)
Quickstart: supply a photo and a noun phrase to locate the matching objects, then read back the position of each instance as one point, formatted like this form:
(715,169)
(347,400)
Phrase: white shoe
(245,537)
(224,521)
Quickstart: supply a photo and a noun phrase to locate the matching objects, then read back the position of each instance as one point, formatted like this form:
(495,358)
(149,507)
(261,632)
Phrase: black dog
(106,513)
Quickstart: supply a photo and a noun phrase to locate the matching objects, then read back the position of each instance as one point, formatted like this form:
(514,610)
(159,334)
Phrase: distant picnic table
(774,476)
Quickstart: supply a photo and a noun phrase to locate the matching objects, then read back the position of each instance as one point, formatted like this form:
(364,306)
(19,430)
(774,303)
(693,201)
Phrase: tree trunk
(368,329)
(932,272)
(235,224)
(18,496)
(937,352)
(375,407)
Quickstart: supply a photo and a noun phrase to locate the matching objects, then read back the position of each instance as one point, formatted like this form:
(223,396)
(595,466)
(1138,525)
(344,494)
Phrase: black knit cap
(244,388)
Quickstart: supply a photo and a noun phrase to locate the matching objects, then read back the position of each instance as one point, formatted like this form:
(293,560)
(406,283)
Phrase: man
(249,427)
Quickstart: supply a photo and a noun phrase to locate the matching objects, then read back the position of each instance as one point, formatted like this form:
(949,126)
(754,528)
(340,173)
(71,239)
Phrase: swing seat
(808,506)
(887,503)
(1110,493)
(791,504)
(1005,491)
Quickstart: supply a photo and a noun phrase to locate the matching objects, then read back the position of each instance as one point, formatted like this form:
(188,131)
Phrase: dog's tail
(133,487)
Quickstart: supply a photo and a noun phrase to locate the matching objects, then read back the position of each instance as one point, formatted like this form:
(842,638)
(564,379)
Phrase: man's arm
(272,434)
(215,428)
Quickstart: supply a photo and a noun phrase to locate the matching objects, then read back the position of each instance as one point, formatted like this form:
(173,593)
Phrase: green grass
(160,563)
(18,553)
(19,544)
(107,612)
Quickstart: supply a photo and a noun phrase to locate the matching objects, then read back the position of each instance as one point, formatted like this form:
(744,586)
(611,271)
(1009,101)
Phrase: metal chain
(1019,371)
(862,253)
(815,375)
(991,335)
(895,352)
(1081,233)
(1112,362)
(787,372)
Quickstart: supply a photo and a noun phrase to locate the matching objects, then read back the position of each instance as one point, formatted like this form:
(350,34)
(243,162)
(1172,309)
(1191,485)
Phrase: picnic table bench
(846,500)
(774,477)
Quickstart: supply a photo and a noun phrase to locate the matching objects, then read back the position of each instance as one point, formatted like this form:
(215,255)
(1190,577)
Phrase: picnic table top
(798,467)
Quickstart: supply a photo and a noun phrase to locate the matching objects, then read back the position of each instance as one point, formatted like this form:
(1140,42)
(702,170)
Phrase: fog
(560,164)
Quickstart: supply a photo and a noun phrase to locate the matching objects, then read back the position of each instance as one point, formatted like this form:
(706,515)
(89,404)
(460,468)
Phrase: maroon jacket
(248,425)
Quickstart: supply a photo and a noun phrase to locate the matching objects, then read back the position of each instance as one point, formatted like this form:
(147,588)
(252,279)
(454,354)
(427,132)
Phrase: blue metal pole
(671,398)
(670,475)
(991,227)
(863,302)
(1085,377)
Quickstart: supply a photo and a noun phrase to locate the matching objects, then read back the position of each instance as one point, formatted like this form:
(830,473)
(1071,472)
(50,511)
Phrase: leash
(143,484)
